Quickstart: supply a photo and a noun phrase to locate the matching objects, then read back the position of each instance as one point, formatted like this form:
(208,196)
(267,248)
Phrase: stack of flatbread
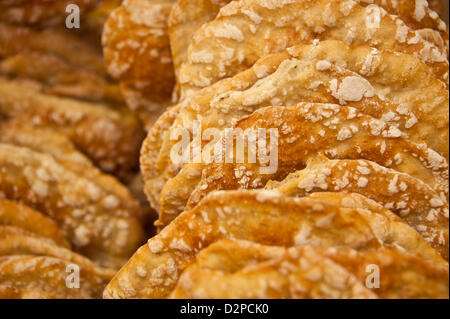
(356,95)
(68,146)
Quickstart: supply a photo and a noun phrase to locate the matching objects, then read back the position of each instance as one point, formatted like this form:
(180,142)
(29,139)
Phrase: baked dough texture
(242,269)
(257,216)
(69,147)
(137,52)
(338,162)
(245,31)
(357,92)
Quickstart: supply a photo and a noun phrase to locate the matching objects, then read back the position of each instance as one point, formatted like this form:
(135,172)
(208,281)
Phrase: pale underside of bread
(245,31)
(256,216)
(241,269)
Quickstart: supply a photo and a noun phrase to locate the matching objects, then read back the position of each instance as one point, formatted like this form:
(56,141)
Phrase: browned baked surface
(240,269)
(256,216)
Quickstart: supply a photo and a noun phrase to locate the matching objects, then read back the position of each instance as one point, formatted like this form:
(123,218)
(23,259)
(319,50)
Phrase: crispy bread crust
(257,216)
(112,231)
(240,269)
(240,35)
(137,52)
(411,199)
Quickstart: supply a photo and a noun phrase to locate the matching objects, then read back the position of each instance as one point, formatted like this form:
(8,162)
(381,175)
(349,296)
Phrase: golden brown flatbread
(18,243)
(239,269)
(338,132)
(48,275)
(248,30)
(137,52)
(18,39)
(41,12)
(190,15)
(99,221)
(21,216)
(41,139)
(186,18)
(53,75)
(221,104)
(110,138)
(257,216)
(11,292)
